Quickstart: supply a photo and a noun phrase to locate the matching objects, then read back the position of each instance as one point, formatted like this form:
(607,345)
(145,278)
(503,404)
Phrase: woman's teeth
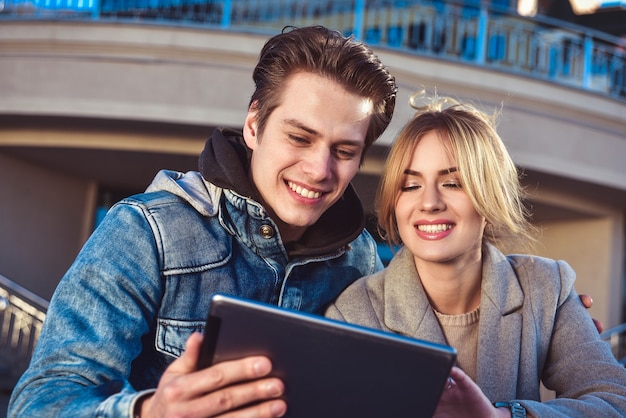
(433,229)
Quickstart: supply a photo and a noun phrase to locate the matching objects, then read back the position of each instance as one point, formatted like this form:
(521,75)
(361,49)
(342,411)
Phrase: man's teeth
(433,229)
(304,192)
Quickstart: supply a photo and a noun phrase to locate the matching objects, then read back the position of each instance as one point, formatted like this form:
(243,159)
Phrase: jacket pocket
(172,335)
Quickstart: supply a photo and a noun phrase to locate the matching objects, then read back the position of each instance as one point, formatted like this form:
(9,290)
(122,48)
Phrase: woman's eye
(409,187)
(452,184)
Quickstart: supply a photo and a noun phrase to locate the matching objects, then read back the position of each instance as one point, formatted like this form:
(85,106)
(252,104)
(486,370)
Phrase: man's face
(309,151)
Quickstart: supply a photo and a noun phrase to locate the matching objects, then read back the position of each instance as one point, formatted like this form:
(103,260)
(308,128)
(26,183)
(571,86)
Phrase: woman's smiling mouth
(434,229)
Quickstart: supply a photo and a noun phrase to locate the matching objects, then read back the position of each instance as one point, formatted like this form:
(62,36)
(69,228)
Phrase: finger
(224,373)
(275,408)
(451,383)
(598,325)
(586,300)
(458,377)
(236,371)
(188,361)
(186,383)
(251,395)
(192,350)
(256,407)
(254,396)
(270,409)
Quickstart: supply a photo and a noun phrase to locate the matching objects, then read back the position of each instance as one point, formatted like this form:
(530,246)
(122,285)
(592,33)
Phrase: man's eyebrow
(443,172)
(297,124)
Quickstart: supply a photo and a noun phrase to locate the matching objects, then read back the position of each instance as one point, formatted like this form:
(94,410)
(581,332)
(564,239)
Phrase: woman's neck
(452,288)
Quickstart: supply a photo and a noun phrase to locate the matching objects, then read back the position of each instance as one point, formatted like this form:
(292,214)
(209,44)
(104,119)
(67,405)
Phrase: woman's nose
(431,199)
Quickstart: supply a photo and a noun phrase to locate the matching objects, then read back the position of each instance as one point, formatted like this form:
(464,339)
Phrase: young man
(270,216)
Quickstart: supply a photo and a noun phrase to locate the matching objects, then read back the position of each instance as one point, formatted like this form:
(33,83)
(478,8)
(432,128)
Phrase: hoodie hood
(225,162)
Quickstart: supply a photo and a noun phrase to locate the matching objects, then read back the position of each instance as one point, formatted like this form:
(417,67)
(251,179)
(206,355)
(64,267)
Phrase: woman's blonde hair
(487,172)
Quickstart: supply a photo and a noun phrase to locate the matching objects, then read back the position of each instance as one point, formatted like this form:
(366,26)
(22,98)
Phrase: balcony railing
(616,336)
(21,316)
(473,34)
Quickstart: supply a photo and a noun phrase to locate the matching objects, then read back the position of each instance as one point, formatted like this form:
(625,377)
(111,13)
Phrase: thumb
(188,361)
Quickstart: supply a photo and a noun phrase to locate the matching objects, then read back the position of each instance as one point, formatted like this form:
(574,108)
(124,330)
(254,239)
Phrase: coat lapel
(407,309)
(500,329)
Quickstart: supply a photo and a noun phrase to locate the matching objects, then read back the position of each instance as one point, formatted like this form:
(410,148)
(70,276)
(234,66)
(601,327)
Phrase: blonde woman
(451,197)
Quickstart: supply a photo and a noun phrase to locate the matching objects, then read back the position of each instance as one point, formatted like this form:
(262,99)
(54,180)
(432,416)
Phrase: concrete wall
(136,72)
(45,216)
(590,246)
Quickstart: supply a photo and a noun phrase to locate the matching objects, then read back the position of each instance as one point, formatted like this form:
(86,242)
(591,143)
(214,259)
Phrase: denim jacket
(140,286)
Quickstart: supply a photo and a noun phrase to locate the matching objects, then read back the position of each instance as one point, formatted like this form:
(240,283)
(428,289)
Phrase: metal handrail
(21,317)
(616,337)
(490,37)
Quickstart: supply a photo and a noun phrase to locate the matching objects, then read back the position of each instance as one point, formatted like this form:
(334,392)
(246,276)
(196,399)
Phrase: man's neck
(289,233)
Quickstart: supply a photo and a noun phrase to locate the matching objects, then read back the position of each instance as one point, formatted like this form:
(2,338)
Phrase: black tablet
(330,368)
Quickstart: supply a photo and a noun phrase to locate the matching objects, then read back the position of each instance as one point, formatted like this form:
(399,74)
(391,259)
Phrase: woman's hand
(463,398)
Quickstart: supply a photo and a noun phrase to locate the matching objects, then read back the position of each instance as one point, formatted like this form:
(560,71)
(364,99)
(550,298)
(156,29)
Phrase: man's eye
(298,139)
(345,154)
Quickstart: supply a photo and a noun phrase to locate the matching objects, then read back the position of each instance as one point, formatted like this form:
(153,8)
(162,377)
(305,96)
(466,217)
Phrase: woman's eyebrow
(443,172)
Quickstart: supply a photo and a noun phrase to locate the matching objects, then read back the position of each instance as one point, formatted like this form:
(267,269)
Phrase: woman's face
(436,219)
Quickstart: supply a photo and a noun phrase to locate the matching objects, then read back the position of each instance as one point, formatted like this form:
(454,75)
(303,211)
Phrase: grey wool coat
(533,328)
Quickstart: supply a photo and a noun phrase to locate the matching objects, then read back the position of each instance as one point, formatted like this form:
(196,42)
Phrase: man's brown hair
(330,54)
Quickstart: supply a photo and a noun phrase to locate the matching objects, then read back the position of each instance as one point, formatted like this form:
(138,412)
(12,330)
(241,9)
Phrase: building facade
(90,109)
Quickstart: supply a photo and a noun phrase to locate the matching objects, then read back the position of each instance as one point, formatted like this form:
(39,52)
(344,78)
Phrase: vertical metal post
(95,14)
(481,35)
(227,7)
(587,61)
(359,16)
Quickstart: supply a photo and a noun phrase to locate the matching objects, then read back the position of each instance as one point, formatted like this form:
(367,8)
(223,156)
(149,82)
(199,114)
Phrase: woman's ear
(250,129)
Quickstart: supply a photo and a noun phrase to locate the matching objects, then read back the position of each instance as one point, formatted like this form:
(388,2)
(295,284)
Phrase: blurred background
(97,95)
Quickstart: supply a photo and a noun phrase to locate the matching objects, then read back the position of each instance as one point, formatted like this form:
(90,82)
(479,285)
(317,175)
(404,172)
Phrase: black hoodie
(225,162)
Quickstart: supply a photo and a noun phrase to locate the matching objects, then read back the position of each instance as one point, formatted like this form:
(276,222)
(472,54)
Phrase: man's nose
(318,165)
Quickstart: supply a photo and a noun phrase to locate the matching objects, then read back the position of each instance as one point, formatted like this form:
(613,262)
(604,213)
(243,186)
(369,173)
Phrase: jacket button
(266,231)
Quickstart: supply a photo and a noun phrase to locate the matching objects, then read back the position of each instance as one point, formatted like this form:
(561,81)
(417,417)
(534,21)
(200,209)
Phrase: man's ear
(250,129)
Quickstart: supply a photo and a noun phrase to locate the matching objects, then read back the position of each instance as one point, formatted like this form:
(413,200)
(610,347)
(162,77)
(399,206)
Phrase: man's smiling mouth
(304,192)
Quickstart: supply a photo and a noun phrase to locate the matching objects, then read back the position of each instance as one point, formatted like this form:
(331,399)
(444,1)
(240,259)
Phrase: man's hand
(587,301)
(229,389)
